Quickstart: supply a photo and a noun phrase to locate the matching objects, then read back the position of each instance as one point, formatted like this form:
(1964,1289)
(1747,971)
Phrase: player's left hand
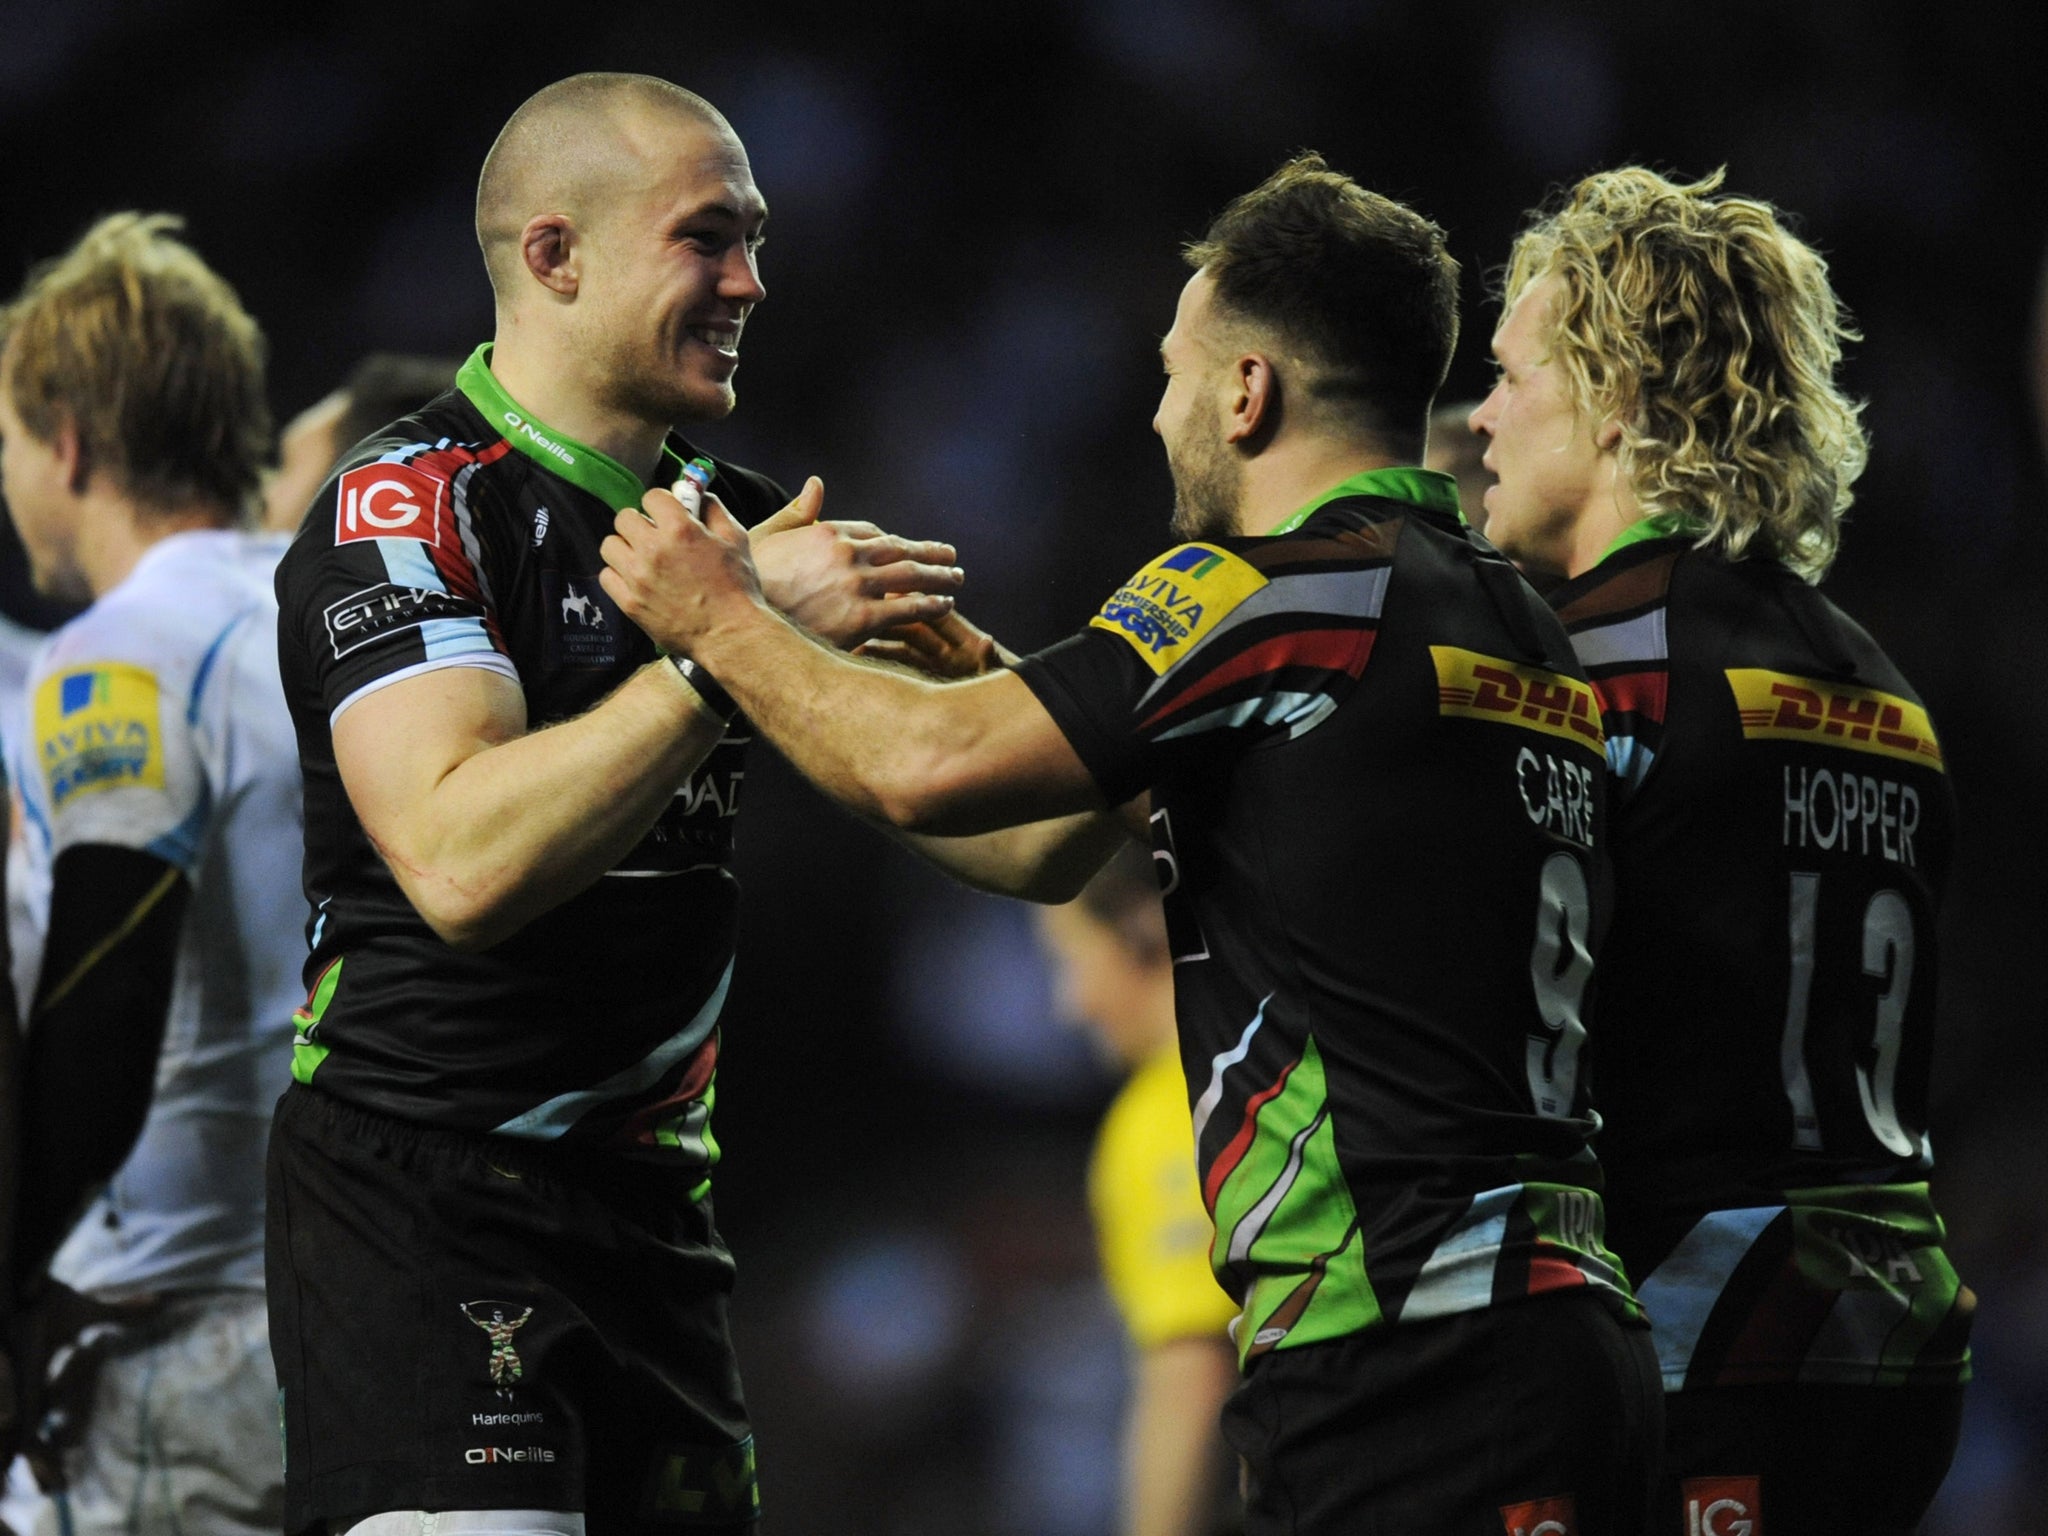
(674,576)
(947,648)
(847,581)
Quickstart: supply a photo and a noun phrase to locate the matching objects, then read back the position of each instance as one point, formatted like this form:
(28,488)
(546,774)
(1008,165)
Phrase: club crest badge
(500,1320)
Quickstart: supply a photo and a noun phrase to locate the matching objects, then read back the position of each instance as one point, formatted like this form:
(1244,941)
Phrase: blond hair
(149,354)
(1711,333)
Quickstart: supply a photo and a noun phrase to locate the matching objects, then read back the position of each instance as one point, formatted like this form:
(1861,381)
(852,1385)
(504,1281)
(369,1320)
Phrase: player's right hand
(675,576)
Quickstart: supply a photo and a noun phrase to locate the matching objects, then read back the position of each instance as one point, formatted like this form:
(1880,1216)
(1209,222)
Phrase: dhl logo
(1776,706)
(1490,688)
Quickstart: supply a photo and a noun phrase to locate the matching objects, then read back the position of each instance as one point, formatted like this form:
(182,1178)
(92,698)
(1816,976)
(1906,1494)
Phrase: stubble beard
(1208,484)
(639,380)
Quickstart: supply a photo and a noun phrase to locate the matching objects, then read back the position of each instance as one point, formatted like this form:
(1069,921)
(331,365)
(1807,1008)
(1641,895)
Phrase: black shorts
(1542,1415)
(1805,1460)
(471,1322)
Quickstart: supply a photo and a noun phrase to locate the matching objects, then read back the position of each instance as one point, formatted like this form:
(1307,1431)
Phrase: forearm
(926,757)
(88,1066)
(513,830)
(1175,1459)
(1043,861)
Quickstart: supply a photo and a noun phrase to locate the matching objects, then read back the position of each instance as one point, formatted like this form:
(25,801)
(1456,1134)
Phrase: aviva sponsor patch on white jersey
(156,722)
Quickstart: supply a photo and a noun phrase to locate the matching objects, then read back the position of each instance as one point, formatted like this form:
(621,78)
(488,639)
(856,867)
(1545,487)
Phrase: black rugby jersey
(1782,834)
(1377,812)
(467,535)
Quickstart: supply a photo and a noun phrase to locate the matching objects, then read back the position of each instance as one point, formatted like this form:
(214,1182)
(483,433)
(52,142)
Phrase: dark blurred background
(973,253)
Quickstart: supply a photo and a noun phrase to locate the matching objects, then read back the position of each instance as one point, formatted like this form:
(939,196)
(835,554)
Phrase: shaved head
(620,225)
(573,148)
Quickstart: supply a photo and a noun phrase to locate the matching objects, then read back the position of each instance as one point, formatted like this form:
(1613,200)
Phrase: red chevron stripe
(1637,693)
(1550,1273)
(641,1128)
(447,553)
(1337,650)
(1783,1320)
(1234,1151)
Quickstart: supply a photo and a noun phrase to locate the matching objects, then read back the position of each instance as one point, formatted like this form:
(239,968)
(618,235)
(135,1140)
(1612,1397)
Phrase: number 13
(1887,957)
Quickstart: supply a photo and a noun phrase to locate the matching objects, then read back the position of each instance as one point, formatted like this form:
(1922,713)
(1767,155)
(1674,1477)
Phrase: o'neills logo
(538,438)
(502,1455)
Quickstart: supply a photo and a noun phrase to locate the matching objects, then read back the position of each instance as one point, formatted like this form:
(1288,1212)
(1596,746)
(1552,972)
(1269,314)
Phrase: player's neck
(115,532)
(569,404)
(1287,476)
(1607,514)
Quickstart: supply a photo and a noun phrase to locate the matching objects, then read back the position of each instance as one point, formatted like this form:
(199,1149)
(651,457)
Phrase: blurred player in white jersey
(160,790)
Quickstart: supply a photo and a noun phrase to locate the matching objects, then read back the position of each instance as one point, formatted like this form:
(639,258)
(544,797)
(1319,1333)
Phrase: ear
(1607,435)
(552,249)
(72,461)
(1252,400)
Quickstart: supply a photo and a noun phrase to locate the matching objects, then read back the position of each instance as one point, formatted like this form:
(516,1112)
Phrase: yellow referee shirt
(1149,1222)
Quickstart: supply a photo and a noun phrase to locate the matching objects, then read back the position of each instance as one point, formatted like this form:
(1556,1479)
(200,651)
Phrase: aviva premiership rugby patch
(99,728)
(1167,608)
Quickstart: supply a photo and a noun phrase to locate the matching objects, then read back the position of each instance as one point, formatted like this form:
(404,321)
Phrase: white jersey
(157,722)
(18,646)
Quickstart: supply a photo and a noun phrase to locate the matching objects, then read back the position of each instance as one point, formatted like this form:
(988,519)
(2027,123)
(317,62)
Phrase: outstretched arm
(1042,861)
(486,825)
(953,758)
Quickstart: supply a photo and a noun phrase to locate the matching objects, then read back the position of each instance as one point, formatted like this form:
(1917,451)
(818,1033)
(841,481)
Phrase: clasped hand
(678,578)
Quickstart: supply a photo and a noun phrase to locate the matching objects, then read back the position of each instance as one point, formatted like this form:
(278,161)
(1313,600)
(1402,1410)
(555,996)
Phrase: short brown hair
(149,353)
(1360,284)
(1713,334)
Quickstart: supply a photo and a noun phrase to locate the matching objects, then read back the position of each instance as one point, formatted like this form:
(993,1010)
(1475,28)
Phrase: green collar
(585,468)
(1426,488)
(1664,525)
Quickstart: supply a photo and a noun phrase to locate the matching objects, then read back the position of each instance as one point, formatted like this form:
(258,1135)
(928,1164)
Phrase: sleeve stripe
(1635,641)
(1336,650)
(490,661)
(1328,594)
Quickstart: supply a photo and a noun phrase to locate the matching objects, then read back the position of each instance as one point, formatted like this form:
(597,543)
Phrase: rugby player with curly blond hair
(1669,435)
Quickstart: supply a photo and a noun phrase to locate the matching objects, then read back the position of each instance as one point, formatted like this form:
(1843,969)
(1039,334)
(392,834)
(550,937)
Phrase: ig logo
(1723,1506)
(388,501)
